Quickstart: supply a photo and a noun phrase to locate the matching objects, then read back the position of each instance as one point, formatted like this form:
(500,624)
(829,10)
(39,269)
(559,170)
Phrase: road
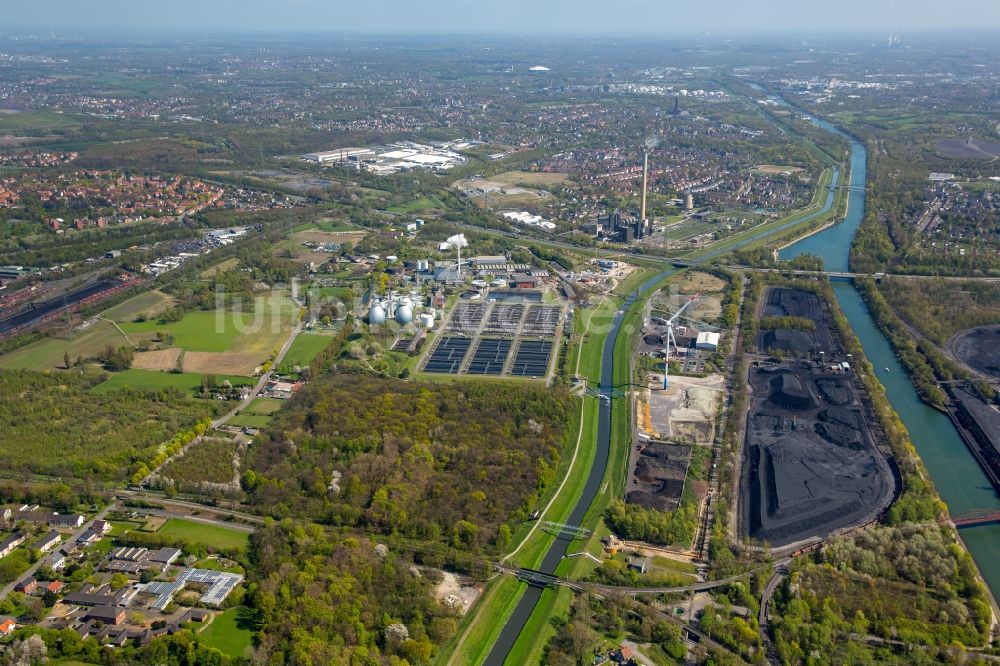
(762,616)
(194,506)
(9,587)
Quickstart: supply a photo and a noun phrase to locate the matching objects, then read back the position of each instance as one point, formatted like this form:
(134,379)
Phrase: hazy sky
(498,16)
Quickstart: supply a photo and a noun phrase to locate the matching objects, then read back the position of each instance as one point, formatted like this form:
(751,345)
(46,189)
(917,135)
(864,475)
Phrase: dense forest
(55,425)
(323,598)
(941,308)
(928,594)
(459,464)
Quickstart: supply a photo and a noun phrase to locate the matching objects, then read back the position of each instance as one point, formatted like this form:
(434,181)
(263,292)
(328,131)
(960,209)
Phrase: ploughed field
(979,348)
(810,465)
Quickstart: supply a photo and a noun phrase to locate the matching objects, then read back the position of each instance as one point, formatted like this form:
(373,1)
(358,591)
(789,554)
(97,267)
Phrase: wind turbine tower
(671,340)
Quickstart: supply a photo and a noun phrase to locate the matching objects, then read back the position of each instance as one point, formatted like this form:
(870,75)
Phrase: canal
(554,555)
(955,473)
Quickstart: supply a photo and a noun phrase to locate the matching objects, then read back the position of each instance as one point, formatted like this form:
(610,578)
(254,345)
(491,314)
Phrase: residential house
(8,545)
(47,542)
(26,586)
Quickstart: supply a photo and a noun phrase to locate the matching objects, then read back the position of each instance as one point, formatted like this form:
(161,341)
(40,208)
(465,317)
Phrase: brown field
(530,178)
(153,523)
(222,363)
(162,359)
(696,282)
(708,307)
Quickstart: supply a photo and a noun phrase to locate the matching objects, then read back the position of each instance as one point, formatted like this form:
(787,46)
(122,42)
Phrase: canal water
(955,473)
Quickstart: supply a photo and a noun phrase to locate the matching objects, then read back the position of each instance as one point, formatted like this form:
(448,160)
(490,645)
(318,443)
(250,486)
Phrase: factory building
(707,341)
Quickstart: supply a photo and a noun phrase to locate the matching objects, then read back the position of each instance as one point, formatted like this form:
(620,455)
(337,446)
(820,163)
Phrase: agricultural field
(257,414)
(227,633)
(209,459)
(213,536)
(160,359)
(225,363)
(50,353)
(154,380)
(305,348)
(146,305)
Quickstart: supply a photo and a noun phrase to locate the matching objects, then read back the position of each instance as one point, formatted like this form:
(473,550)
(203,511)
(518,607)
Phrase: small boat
(887,369)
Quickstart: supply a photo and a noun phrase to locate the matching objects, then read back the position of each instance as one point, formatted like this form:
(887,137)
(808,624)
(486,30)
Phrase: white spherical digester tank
(376,314)
(404,314)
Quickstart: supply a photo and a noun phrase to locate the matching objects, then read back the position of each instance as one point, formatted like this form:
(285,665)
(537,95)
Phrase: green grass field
(36,120)
(423,203)
(148,304)
(226,331)
(257,414)
(305,348)
(212,536)
(226,635)
(156,380)
(49,353)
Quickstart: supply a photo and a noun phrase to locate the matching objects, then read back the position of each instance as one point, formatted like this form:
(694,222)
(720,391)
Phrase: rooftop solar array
(448,355)
(490,357)
(541,321)
(220,585)
(532,359)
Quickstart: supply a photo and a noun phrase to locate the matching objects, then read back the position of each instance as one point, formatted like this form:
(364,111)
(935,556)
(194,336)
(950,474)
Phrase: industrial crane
(672,340)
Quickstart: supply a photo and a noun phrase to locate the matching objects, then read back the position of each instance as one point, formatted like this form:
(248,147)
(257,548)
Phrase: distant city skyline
(645,17)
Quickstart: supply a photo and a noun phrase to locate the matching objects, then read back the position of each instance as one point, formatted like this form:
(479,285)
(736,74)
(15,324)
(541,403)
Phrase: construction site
(810,464)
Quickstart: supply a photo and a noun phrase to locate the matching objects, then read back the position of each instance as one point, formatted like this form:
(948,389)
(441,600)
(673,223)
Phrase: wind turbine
(672,340)
(458,241)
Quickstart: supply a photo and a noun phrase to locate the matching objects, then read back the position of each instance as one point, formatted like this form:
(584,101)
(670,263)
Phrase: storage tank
(427,320)
(376,314)
(404,314)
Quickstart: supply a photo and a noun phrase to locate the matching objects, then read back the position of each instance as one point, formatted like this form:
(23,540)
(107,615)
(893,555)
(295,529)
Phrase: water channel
(955,473)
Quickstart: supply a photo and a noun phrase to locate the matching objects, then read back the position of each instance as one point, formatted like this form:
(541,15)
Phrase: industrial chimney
(645,173)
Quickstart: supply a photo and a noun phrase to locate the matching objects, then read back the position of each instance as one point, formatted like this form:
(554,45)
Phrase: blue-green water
(955,473)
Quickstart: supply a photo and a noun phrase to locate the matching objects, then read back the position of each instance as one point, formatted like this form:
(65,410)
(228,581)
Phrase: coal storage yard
(979,348)
(810,465)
